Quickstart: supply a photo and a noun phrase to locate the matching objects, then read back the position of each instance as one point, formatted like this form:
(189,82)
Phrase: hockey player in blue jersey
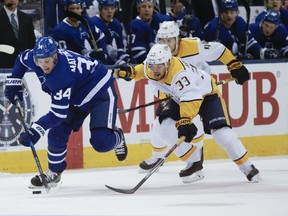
(74,34)
(79,86)
(113,31)
(274,5)
(54,13)
(141,32)
(230,31)
(271,35)
(189,24)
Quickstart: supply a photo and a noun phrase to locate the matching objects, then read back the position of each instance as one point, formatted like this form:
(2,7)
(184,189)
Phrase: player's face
(46,64)
(171,42)
(76,8)
(276,4)
(158,70)
(177,7)
(146,11)
(268,28)
(107,13)
(228,17)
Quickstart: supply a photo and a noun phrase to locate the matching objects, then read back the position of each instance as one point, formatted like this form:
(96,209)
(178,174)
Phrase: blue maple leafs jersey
(139,39)
(77,39)
(114,38)
(141,35)
(278,40)
(74,81)
(233,38)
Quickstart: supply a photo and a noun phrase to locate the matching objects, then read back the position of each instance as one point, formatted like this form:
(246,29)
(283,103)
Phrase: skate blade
(53,188)
(193,178)
(256,179)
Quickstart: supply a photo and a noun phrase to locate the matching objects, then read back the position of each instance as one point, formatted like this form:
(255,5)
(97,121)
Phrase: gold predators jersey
(199,53)
(184,83)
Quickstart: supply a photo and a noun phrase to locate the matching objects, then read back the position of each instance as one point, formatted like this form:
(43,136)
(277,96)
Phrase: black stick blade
(123,191)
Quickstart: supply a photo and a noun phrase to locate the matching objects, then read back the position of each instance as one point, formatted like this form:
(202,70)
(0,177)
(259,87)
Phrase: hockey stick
(121,111)
(7,49)
(153,170)
(221,82)
(85,22)
(248,12)
(218,22)
(36,158)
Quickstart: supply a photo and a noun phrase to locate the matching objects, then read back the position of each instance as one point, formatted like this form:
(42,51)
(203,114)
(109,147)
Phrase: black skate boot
(254,175)
(193,171)
(52,179)
(121,149)
(147,165)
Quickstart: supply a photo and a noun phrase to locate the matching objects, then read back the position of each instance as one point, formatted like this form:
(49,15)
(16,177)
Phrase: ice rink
(223,192)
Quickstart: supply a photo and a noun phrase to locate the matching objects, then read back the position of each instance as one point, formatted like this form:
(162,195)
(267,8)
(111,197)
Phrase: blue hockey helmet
(45,47)
(229,5)
(66,3)
(272,16)
(103,3)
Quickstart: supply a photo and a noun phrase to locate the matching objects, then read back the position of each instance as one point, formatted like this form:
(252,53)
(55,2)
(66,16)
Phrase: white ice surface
(223,192)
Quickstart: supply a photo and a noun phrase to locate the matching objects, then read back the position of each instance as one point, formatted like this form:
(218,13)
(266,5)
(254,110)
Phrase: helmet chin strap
(175,51)
(55,58)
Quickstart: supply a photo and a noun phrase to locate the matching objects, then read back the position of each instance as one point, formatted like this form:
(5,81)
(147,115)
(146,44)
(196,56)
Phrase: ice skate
(254,175)
(192,172)
(121,149)
(52,178)
(147,165)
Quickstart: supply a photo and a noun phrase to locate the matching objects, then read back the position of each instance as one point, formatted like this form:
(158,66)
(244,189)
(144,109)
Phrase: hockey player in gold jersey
(213,109)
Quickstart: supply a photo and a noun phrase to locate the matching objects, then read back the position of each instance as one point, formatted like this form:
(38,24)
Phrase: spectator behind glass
(73,32)
(21,37)
(271,35)
(230,31)
(274,5)
(189,24)
(141,32)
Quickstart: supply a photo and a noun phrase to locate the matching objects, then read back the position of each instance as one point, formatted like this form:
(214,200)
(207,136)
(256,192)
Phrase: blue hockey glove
(32,135)
(13,88)
(269,53)
(125,72)
(238,71)
(188,25)
(186,128)
(99,55)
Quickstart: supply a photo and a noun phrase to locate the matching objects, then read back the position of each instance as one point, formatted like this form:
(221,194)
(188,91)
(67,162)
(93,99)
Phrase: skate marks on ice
(224,191)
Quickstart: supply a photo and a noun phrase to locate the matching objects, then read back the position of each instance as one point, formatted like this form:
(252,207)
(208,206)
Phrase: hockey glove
(32,135)
(99,55)
(123,60)
(186,128)
(13,88)
(125,72)
(269,53)
(238,71)
(188,26)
